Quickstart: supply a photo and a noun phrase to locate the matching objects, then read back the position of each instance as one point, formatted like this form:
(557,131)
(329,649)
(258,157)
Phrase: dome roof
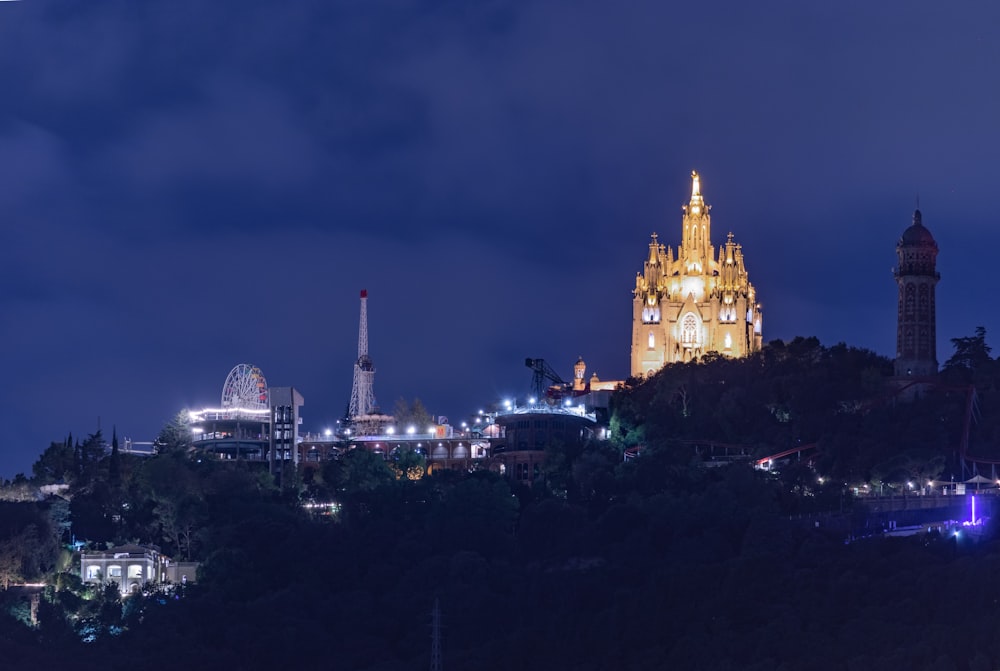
(917,234)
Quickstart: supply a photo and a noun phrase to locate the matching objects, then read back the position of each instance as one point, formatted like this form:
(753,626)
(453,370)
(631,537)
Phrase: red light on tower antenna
(364,293)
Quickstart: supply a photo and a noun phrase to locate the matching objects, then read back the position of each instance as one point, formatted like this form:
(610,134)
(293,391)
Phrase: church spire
(654,249)
(697,202)
(696,250)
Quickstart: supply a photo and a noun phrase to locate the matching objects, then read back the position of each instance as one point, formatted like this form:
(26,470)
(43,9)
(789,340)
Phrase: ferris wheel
(245,389)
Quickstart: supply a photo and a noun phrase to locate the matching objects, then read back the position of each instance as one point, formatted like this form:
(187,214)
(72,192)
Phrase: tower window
(652,340)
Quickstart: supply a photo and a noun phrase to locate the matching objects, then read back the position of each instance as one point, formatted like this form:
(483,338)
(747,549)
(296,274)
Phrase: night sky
(188,185)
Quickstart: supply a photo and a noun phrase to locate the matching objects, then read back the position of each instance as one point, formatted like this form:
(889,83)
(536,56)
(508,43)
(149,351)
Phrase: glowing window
(114,571)
(729,341)
(135,571)
(652,340)
(93,573)
(690,331)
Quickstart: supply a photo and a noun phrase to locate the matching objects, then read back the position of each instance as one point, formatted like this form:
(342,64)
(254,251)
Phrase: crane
(544,377)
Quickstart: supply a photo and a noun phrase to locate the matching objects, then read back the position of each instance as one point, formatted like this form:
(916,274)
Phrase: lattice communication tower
(363,390)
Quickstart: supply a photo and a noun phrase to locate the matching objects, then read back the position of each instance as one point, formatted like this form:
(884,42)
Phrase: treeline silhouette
(651,563)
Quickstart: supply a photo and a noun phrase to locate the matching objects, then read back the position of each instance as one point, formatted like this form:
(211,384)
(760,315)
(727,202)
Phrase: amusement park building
(260,424)
(528,431)
(253,422)
(442,447)
(694,303)
(512,441)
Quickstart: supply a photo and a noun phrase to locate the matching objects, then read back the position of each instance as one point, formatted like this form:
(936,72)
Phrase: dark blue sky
(171,172)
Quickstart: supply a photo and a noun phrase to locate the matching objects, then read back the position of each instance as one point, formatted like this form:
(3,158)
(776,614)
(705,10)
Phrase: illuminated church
(697,302)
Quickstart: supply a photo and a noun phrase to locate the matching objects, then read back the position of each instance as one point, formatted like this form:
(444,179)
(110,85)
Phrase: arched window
(652,340)
(690,330)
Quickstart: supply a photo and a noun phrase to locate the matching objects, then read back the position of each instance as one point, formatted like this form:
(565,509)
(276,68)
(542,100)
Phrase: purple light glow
(973,522)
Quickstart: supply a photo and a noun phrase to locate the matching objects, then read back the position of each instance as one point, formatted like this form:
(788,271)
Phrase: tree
(476,513)
(11,555)
(181,517)
(115,460)
(55,464)
(59,518)
(175,436)
(411,414)
(24,555)
(408,464)
(89,455)
(914,467)
(971,353)
(363,471)
(177,499)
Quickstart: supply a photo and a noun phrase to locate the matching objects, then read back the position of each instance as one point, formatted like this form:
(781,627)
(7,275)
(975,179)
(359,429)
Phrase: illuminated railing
(220,414)
(545,409)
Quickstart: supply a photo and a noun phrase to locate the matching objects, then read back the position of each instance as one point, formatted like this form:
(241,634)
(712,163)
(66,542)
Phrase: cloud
(240,132)
(34,164)
(187,185)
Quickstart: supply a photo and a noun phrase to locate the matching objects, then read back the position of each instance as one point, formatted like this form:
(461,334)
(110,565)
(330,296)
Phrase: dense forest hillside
(867,427)
(654,562)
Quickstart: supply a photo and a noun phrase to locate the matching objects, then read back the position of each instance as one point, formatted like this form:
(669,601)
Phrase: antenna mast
(436,637)
(362,391)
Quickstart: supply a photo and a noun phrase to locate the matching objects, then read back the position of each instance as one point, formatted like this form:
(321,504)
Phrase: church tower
(916,277)
(694,303)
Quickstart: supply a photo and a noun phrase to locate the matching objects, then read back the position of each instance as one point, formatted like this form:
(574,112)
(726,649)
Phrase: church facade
(696,302)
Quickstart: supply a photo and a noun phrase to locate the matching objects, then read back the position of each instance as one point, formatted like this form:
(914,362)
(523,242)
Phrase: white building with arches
(132,567)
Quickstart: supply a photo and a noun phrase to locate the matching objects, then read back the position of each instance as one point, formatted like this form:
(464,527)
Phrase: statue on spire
(696,200)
